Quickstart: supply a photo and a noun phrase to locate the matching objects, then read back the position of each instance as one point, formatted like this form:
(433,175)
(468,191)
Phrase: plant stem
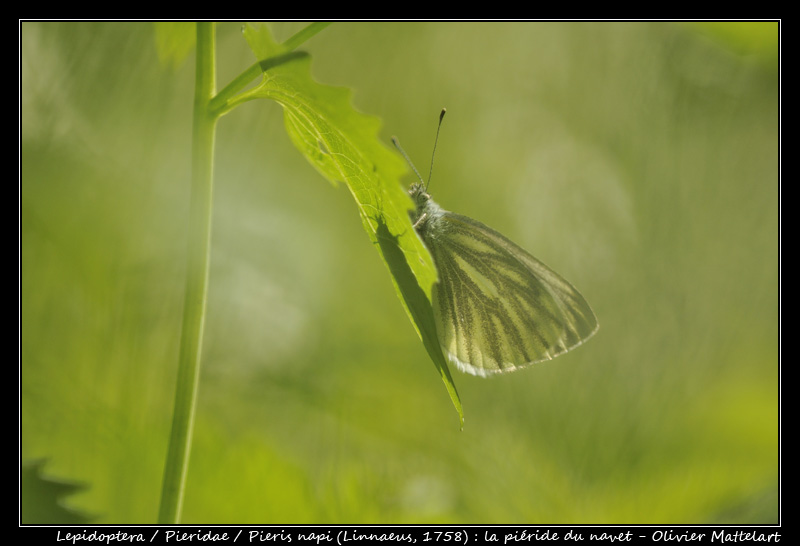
(312,29)
(194,305)
(227,99)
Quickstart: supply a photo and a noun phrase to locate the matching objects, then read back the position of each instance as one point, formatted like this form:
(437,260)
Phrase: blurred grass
(640,160)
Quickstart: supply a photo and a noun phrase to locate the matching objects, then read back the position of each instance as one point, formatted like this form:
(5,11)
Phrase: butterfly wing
(497,308)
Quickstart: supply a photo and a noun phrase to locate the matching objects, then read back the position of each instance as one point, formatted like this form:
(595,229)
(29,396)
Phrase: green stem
(196,279)
(228,98)
(295,41)
(219,103)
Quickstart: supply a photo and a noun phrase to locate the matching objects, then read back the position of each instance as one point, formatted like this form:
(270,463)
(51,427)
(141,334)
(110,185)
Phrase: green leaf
(343,145)
(174,41)
(41,499)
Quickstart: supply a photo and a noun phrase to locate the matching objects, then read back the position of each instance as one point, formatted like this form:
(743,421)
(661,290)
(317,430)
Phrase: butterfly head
(419,195)
(426,211)
(421,199)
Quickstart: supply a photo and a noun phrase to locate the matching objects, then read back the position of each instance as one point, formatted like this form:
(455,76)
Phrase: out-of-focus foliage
(44,499)
(759,40)
(640,160)
(174,41)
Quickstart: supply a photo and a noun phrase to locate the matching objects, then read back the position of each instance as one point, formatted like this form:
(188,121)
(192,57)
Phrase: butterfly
(496,308)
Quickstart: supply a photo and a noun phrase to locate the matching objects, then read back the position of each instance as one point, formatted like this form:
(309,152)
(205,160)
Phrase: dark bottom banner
(341,535)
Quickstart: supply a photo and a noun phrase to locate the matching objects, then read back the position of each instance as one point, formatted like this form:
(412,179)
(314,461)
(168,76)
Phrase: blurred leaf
(759,509)
(759,38)
(174,41)
(41,498)
(342,144)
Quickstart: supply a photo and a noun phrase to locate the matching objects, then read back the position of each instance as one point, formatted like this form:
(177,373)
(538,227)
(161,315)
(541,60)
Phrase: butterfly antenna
(435,142)
(408,159)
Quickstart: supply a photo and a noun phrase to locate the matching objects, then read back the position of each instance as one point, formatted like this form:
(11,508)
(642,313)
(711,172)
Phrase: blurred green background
(639,160)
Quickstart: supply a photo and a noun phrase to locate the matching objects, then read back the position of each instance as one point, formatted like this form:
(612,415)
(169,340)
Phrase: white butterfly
(496,307)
